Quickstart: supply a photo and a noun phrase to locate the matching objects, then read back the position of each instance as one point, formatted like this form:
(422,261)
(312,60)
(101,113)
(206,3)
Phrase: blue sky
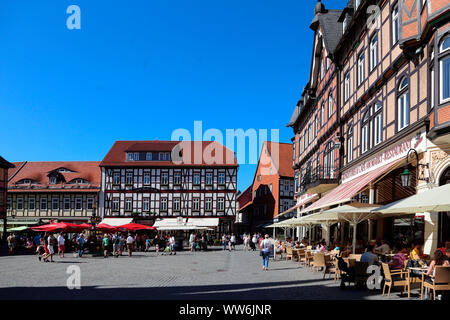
(139,69)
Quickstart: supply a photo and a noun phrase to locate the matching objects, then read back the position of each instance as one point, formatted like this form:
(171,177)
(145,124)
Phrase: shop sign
(390,154)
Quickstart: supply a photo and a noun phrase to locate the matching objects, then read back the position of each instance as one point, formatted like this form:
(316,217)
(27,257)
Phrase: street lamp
(406,174)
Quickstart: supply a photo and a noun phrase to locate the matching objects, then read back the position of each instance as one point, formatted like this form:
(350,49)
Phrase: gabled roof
(296,113)
(38,171)
(331,29)
(194,153)
(283,162)
(5,164)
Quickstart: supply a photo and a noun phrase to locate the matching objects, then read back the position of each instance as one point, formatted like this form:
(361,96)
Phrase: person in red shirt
(398,261)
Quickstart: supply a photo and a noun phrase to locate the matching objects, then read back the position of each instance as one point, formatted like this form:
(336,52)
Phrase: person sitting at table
(398,261)
(297,244)
(438,260)
(369,256)
(384,248)
(345,253)
(417,254)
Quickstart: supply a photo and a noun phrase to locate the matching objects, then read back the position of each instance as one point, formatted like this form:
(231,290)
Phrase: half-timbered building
(272,190)
(152,181)
(393,95)
(53,191)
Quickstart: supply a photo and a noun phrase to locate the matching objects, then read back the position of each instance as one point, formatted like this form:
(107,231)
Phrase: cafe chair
(301,255)
(309,259)
(357,257)
(278,253)
(337,271)
(289,254)
(441,281)
(394,278)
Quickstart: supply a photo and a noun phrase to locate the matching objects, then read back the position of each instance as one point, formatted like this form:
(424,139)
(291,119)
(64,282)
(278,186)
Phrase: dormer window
(25,181)
(136,156)
(79,181)
(164,156)
(130,157)
(52,180)
(148,156)
(345,23)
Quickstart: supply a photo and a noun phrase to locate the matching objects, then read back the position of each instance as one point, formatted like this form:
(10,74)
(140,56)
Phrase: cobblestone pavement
(199,275)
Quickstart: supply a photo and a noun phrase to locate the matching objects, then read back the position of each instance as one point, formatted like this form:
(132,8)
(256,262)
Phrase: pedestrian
(246,238)
(61,245)
(81,241)
(51,246)
(204,241)
(11,243)
(147,244)
(254,242)
(233,241)
(40,249)
(130,241)
(105,244)
(156,241)
(266,247)
(224,241)
(172,245)
(191,242)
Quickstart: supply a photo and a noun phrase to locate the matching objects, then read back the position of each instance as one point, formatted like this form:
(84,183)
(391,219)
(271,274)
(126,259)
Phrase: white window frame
(395,25)
(221,204)
(55,201)
(128,204)
(66,201)
(221,178)
(445,57)
(52,180)
(164,178)
(78,203)
(145,204)
(136,156)
(177,177)
(148,156)
(116,175)
(196,178)
(163,204)
(129,178)
(130,156)
(350,145)
(43,204)
(21,207)
(176,204)
(208,204)
(347,86)
(330,105)
(147,179)
(373,52)
(31,201)
(361,75)
(403,105)
(196,204)
(208,178)
(115,204)
(322,114)
(90,203)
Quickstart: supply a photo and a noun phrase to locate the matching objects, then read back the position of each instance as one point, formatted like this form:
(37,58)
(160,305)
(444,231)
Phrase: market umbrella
(16,229)
(354,213)
(134,227)
(433,200)
(61,226)
(106,227)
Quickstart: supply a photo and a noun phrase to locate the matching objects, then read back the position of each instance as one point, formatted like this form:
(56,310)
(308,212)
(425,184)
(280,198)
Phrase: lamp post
(406,174)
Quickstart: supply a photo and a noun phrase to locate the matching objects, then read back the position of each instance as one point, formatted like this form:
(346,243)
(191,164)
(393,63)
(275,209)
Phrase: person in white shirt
(266,247)
(130,241)
(369,256)
(61,246)
(191,242)
(233,241)
(384,248)
(172,245)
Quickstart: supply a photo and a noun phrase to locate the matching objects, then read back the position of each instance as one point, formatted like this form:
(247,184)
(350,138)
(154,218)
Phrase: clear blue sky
(139,69)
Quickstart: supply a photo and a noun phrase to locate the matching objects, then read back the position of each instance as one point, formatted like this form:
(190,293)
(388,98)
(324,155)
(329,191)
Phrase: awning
(203,222)
(304,199)
(433,200)
(186,224)
(11,221)
(114,222)
(345,191)
(17,229)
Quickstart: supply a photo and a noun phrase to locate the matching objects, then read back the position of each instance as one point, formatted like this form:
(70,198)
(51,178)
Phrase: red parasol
(106,227)
(62,226)
(135,226)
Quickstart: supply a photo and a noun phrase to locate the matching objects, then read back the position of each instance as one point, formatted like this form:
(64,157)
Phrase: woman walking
(266,247)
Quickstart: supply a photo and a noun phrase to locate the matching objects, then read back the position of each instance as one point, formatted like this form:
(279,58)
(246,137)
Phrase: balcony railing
(318,175)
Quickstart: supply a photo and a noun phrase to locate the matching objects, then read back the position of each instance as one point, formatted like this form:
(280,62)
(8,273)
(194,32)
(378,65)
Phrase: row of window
(52,180)
(54,204)
(148,156)
(164,178)
(311,131)
(175,204)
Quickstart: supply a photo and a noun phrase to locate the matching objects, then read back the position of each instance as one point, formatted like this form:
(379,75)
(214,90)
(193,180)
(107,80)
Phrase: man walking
(130,241)
(172,245)
(81,240)
(61,245)
(105,244)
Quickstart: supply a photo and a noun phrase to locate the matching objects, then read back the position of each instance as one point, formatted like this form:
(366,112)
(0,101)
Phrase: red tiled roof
(190,157)
(38,171)
(245,197)
(281,154)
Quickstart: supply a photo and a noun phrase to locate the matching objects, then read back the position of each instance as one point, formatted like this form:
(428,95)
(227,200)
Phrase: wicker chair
(441,281)
(309,259)
(397,278)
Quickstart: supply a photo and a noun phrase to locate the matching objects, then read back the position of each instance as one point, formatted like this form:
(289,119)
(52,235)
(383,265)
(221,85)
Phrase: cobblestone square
(211,275)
